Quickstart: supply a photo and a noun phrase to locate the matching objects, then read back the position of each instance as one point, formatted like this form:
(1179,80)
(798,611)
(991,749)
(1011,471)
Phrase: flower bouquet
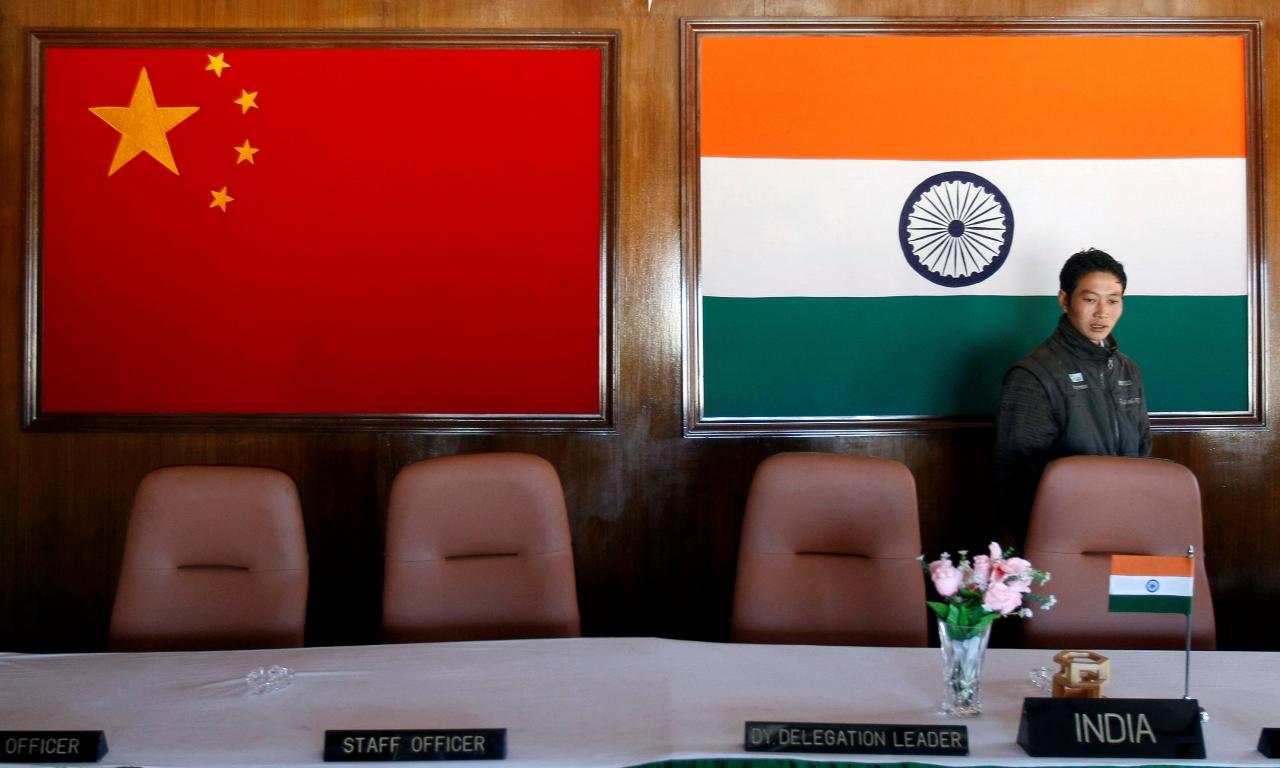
(974,594)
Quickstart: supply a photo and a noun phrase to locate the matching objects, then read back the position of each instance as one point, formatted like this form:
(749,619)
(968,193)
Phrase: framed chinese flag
(876,212)
(320,230)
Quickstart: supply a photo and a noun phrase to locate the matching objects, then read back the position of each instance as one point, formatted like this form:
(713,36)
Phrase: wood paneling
(655,515)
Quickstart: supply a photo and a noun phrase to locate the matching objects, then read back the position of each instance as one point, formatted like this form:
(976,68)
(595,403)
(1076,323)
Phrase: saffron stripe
(1148,565)
(972,97)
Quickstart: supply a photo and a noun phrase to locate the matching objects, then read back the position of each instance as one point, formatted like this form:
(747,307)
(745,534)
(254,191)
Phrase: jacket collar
(1080,345)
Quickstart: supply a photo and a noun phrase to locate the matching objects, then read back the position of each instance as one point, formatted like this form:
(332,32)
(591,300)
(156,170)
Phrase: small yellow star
(216,63)
(143,126)
(246,153)
(220,199)
(246,100)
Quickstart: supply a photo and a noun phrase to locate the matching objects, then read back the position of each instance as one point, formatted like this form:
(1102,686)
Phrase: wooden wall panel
(654,515)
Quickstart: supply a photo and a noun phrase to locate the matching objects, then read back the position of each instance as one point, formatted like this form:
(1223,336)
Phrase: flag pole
(1186,686)
(1186,680)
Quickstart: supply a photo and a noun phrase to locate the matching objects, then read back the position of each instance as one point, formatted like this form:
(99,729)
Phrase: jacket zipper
(1110,397)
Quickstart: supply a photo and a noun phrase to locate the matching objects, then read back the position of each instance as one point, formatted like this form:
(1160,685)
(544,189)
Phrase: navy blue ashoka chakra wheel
(956,229)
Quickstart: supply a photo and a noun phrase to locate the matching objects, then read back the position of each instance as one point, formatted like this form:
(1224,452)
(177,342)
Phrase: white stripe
(774,227)
(1170,586)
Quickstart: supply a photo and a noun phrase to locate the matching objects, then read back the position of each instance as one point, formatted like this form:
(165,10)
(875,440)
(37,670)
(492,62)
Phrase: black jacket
(1068,397)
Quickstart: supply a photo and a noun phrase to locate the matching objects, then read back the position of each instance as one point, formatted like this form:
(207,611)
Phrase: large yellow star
(220,199)
(246,100)
(143,125)
(216,63)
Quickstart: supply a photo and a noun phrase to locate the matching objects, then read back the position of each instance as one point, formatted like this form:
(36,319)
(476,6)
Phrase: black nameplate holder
(1111,728)
(856,738)
(1269,742)
(52,746)
(433,744)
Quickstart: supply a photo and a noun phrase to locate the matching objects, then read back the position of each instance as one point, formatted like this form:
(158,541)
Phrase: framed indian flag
(875,213)
(320,230)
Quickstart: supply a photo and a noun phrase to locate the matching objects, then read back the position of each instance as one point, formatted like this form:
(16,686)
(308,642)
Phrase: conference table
(585,701)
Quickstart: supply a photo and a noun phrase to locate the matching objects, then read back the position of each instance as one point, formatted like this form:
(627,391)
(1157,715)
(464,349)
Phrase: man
(1075,394)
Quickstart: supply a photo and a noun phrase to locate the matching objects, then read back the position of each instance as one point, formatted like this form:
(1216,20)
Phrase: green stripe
(766,761)
(946,355)
(1149,604)
(855,760)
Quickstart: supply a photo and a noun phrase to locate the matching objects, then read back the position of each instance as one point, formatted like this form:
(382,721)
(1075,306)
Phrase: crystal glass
(1042,678)
(963,649)
(268,679)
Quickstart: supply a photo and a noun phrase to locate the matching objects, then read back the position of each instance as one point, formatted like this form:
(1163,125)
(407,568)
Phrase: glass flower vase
(963,649)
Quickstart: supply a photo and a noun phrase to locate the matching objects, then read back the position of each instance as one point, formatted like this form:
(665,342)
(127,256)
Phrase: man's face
(1095,306)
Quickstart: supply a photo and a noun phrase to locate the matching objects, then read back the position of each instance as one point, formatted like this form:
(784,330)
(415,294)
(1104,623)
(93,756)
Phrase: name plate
(368,746)
(857,738)
(1269,742)
(1166,728)
(52,746)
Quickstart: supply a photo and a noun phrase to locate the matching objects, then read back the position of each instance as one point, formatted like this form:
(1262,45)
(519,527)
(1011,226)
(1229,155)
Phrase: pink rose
(1015,571)
(1018,566)
(981,569)
(1002,597)
(1022,575)
(946,578)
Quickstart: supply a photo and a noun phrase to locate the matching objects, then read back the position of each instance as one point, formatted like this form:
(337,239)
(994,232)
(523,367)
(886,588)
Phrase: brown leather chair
(1088,508)
(215,558)
(829,554)
(478,549)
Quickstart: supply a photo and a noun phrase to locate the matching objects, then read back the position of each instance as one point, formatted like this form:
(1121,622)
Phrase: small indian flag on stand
(1141,584)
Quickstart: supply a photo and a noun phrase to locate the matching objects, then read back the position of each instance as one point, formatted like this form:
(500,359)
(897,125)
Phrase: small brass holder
(1080,675)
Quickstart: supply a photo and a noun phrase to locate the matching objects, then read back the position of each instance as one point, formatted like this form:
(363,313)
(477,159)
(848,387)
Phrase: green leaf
(938,608)
(989,618)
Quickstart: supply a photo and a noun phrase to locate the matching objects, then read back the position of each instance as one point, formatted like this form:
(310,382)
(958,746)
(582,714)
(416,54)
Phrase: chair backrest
(215,558)
(1088,508)
(478,548)
(829,554)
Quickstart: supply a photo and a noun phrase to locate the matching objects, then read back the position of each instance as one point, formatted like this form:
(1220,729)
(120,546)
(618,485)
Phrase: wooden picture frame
(351,347)
(754,131)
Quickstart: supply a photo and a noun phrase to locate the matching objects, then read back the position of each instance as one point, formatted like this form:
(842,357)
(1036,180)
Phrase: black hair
(1086,261)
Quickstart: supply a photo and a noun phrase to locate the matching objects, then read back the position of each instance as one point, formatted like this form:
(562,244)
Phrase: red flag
(336,230)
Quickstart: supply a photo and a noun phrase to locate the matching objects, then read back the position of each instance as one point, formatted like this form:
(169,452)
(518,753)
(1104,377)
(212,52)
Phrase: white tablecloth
(590,701)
